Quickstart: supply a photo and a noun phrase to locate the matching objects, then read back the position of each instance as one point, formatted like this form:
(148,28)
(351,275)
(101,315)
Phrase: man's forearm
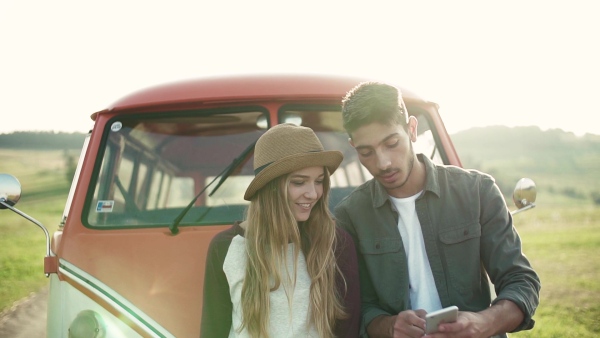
(381,327)
(504,316)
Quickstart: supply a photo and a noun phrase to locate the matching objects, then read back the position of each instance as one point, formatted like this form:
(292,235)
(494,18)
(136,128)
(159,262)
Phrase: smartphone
(445,315)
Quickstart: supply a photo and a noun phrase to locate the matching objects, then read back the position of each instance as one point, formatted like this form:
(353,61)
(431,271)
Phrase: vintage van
(161,172)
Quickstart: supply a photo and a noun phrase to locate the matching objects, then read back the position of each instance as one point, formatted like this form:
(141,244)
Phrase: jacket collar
(380,196)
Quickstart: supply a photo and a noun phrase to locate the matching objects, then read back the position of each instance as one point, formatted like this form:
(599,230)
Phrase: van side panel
(163,275)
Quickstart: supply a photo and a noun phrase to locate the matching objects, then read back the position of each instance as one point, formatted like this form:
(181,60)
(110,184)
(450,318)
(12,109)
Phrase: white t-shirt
(423,293)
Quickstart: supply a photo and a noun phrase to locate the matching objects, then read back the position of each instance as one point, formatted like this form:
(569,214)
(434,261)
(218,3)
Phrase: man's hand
(501,317)
(406,324)
(468,325)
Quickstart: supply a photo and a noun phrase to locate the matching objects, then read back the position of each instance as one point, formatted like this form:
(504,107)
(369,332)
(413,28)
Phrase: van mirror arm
(50,265)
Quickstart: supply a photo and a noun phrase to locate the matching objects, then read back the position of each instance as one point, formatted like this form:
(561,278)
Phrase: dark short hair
(371,102)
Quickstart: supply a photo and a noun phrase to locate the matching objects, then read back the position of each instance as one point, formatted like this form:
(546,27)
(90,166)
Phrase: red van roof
(246,88)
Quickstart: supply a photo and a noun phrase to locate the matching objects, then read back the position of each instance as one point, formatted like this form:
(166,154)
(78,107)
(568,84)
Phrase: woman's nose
(311,191)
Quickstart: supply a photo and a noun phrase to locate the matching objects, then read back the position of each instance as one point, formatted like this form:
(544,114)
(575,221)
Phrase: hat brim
(330,159)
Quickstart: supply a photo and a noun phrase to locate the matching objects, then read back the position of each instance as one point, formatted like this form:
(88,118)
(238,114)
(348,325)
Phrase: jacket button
(377,246)
(466,232)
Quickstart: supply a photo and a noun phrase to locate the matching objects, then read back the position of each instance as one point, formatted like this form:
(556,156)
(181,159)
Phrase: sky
(513,63)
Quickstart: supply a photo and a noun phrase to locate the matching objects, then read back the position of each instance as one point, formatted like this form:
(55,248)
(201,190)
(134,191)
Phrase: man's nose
(383,161)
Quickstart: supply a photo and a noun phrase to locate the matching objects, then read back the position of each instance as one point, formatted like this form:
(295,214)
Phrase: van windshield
(151,166)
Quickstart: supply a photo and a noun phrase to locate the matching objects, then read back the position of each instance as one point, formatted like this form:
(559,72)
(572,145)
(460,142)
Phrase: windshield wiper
(236,162)
(174,227)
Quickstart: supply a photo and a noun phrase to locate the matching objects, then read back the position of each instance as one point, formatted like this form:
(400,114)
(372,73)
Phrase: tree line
(42,140)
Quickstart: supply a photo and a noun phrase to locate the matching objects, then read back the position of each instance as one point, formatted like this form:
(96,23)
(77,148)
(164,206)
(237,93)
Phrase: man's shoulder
(451,174)
(359,194)
(456,172)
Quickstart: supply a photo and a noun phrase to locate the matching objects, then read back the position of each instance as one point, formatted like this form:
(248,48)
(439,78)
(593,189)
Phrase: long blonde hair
(271,228)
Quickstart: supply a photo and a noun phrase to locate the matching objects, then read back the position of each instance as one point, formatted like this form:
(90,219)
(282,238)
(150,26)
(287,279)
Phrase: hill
(558,161)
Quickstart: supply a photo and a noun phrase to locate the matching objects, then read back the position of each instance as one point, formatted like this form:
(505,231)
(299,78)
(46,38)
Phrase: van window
(427,143)
(153,165)
(75,180)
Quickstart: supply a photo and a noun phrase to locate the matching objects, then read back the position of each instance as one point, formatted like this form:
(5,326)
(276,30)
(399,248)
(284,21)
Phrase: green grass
(22,243)
(22,250)
(561,237)
(563,245)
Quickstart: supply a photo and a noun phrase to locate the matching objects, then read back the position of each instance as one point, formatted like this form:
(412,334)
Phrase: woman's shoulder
(345,253)
(223,239)
(342,233)
(230,232)
(343,240)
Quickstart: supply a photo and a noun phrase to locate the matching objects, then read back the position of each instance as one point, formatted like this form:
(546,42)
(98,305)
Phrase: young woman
(286,271)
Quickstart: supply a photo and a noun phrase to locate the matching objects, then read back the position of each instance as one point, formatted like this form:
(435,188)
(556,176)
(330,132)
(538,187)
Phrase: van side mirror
(524,195)
(10,190)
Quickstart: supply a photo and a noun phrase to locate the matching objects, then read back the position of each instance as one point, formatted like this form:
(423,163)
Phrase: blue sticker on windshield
(105,206)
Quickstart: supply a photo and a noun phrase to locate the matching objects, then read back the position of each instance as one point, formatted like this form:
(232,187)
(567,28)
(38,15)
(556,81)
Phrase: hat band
(259,169)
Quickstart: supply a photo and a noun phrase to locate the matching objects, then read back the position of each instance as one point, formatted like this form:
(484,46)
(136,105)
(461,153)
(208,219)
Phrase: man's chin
(392,185)
(387,184)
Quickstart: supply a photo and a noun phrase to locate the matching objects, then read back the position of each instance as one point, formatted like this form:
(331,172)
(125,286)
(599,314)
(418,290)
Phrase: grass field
(561,237)
(563,245)
(22,243)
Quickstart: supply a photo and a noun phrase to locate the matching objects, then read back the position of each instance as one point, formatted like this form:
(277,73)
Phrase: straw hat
(286,148)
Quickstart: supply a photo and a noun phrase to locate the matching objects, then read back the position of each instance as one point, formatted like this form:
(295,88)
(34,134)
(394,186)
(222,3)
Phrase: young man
(427,236)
